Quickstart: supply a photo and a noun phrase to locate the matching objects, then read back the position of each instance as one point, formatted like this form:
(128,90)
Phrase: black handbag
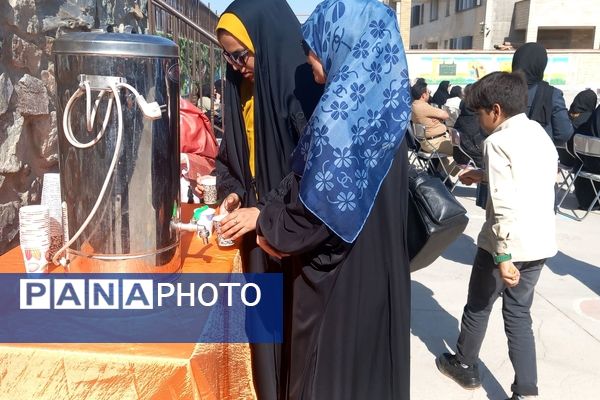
(435,219)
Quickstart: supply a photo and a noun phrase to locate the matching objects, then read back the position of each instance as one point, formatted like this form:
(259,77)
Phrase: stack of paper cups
(34,230)
(51,199)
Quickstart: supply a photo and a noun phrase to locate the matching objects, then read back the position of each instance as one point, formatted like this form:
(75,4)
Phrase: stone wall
(28,133)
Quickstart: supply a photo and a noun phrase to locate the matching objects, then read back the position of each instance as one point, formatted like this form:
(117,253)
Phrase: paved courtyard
(566,317)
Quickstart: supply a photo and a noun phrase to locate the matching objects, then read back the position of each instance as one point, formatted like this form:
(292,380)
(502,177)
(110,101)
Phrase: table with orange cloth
(123,371)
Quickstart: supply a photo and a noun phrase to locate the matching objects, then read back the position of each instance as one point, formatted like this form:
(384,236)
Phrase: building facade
(403,10)
(559,24)
(486,24)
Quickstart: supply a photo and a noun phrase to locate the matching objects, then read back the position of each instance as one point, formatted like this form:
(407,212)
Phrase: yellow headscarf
(232,24)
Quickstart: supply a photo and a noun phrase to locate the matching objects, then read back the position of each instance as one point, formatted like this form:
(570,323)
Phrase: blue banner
(141,308)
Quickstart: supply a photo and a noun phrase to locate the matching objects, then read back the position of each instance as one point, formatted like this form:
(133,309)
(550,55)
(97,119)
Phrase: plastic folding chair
(567,174)
(413,147)
(427,158)
(455,139)
(587,149)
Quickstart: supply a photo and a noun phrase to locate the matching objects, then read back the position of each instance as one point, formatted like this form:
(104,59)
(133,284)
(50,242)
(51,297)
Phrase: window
(463,42)
(433,11)
(466,42)
(462,5)
(448,7)
(445,44)
(414,46)
(417,14)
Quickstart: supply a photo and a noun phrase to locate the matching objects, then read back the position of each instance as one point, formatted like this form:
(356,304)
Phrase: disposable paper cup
(35,257)
(221,241)
(34,233)
(51,199)
(209,184)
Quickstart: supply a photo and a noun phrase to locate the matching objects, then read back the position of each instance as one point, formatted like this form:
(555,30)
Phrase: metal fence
(191,24)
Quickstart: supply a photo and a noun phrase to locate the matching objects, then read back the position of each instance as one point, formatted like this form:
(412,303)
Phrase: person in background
(343,218)
(580,112)
(441,94)
(584,191)
(422,81)
(198,148)
(432,118)
(455,98)
(518,234)
(206,101)
(471,136)
(269,95)
(545,103)
(453,105)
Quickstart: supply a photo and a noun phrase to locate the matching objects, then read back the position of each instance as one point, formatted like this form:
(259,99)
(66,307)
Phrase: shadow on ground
(465,191)
(462,250)
(435,327)
(588,274)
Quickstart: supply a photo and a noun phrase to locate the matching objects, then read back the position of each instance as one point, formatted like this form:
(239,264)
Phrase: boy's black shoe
(467,377)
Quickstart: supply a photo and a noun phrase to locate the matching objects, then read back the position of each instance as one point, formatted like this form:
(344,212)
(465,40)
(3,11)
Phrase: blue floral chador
(350,142)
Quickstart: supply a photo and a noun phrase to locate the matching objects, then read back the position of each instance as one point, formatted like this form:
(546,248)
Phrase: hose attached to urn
(150,110)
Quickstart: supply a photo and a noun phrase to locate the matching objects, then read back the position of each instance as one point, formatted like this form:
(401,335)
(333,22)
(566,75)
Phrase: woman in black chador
(545,103)
(269,95)
(584,188)
(580,112)
(341,220)
(441,94)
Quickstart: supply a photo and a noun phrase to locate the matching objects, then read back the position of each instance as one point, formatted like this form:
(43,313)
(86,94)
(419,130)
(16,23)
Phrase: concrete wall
(498,21)
(563,13)
(495,14)
(521,14)
(402,9)
(570,71)
(566,38)
(28,133)
(498,17)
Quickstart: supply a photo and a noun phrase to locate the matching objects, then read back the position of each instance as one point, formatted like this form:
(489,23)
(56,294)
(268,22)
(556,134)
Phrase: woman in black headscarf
(455,97)
(441,94)
(269,95)
(343,218)
(545,103)
(580,112)
(471,136)
(583,187)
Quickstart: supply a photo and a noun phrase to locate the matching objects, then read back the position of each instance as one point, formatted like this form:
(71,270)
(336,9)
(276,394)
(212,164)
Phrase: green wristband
(500,258)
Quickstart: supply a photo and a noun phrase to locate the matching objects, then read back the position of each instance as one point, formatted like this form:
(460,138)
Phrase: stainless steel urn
(134,157)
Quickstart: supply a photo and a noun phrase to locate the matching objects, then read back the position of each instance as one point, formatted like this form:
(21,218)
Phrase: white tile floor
(566,314)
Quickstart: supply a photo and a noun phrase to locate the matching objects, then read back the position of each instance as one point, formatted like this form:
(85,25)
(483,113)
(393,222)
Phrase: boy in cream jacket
(517,236)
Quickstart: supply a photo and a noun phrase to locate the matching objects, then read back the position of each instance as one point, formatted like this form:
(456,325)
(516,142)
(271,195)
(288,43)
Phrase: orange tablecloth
(131,371)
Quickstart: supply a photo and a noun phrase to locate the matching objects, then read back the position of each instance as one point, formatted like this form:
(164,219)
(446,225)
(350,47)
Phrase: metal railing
(191,25)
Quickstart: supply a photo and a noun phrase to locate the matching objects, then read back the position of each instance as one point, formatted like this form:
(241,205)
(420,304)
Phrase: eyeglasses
(237,58)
